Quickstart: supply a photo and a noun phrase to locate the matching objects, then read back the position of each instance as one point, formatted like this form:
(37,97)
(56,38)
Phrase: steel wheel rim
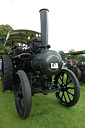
(67,89)
(18,93)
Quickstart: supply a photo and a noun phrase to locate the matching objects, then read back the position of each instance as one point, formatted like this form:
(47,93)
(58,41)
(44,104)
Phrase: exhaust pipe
(44,26)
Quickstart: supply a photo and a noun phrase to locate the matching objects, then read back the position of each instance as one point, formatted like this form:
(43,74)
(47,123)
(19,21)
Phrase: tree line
(4,29)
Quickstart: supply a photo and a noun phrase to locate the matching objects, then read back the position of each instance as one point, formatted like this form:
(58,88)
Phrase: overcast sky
(66,20)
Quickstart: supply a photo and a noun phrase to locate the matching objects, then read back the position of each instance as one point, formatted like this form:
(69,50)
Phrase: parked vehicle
(78,68)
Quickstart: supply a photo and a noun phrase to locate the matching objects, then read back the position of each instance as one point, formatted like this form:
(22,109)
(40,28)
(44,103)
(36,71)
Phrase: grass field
(46,112)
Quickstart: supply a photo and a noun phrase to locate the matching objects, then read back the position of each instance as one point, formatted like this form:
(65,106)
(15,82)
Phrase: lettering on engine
(54,65)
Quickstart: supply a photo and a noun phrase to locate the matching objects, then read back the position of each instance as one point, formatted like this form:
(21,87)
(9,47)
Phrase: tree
(81,58)
(73,56)
(63,55)
(4,29)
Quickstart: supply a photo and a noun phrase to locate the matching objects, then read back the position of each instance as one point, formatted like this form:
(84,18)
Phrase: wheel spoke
(70,87)
(69,82)
(67,78)
(62,95)
(70,93)
(61,77)
(65,98)
(20,94)
(19,105)
(58,82)
(68,96)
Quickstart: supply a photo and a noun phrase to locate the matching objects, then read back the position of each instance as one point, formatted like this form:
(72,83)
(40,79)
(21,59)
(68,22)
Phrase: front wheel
(68,88)
(22,94)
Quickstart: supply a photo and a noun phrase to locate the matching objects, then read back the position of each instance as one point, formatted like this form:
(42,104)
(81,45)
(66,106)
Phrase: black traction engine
(30,68)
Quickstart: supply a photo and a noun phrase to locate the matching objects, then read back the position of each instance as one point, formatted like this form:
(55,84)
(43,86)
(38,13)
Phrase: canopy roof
(76,53)
(20,36)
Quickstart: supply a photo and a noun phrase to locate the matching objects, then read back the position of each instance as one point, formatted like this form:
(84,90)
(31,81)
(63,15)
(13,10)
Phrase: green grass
(46,112)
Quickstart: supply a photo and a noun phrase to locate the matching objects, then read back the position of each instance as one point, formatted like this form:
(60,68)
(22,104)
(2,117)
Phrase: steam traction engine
(79,67)
(32,68)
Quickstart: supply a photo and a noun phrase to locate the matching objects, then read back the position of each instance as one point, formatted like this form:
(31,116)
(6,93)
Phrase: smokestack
(44,26)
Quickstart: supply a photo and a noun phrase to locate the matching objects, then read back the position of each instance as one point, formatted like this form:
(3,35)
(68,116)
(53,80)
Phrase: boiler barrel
(47,62)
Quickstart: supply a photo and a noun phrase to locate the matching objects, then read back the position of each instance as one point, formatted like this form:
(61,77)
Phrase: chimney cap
(44,9)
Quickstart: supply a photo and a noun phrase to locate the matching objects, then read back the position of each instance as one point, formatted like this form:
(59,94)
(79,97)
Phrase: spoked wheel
(68,89)
(22,94)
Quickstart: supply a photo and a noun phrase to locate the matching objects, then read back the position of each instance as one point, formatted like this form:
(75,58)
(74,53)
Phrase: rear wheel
(22,94)
(68,88)
(7,73)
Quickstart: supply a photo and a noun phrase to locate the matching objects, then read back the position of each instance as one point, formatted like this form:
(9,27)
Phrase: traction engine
(32,68)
